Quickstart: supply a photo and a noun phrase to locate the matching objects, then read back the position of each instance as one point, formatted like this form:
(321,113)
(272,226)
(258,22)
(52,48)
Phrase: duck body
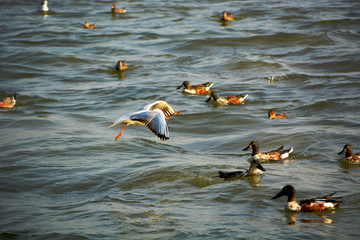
(8,102)
(238,99)
(272,115)
(226,16)
(201,89)
(278,154)
(44,7)
(120,65)
(306,205)
(349,156)
(255,169)
(117,10)
(153,115)
(88,25)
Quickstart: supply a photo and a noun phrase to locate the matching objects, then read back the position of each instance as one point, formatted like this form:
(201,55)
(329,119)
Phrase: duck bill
(259,166)
(247,148)
(280,194)
(341,152)
(180,86)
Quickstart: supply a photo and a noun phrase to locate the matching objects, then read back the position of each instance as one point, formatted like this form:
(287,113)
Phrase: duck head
(120,65)
(348,150)
(185,84)
(213,96)
(255,166)
(272,114)
(289,191)
(254,146)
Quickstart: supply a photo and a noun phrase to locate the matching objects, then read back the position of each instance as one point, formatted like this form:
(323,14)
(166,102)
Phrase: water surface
(64,177)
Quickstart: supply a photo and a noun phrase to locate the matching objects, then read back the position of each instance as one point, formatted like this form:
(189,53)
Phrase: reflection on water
(346,165)
(253,180)
(120,74)
(313,217)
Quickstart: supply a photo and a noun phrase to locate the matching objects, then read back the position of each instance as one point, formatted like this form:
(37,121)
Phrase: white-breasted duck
(306,205)
(238,99)
(349,156)
(277,154)
(201,89)
(255,169)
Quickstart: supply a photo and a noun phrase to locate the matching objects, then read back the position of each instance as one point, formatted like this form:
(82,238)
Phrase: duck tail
(290,150)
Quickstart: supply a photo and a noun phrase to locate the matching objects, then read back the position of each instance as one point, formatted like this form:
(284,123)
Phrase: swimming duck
(352,158)
(120,65)
(88,25)
(201,89)
(153,115)
(117,10)
(277,154)
(255,169)
(226,16)
(272,115)
(306,205)
(239,99)
(8,102)
(44,7)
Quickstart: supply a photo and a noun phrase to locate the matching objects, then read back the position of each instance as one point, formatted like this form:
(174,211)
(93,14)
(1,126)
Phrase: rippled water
(64,177)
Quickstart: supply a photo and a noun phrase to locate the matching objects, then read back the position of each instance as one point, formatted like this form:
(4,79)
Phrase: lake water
(63,176)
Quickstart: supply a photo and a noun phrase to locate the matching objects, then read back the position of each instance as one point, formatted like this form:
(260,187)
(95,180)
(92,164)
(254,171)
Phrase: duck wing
(233,174)
(326,198)
(279,150)
(205,85)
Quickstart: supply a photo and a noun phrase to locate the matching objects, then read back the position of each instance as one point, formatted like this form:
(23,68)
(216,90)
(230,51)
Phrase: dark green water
(63,176)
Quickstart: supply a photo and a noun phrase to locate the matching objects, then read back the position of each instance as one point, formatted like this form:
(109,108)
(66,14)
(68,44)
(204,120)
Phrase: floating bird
(120,65)
(8,102)
(272,115)
(277,154)
(88,25)
(196,89)
(226,16)
(117,10)
(306,205)
(153,115)
(44,7)
(352,158)
(255,169)
(239,99)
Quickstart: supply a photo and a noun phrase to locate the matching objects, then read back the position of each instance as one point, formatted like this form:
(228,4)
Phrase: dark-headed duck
(306,205)
(238,99)
(277,154)
(255,169)
(201,89)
